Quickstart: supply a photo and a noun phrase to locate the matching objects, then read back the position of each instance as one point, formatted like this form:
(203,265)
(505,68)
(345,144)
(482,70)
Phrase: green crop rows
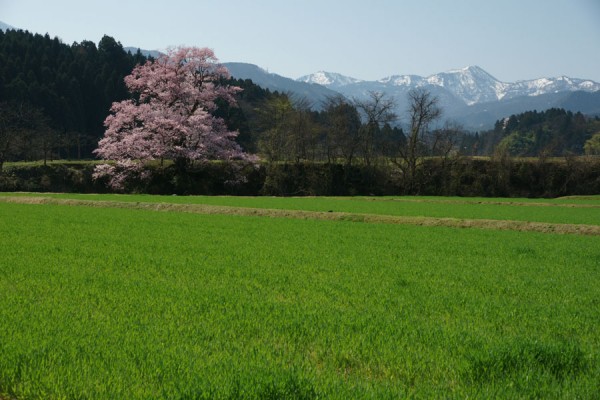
(107,303)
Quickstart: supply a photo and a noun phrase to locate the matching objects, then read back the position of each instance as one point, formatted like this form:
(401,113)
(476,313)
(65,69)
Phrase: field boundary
(491,224)
(484,202)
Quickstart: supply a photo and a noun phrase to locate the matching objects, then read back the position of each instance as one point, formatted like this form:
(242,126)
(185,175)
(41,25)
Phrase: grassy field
(107,303)
(574,210)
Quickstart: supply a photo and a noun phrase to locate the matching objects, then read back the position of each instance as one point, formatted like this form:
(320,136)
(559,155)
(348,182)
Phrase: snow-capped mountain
(472,85)
(540,86)
(330,79)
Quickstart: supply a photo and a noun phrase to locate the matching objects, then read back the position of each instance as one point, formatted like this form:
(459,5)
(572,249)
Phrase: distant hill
(482,116)
(314,93)
(145,53)
(4,26)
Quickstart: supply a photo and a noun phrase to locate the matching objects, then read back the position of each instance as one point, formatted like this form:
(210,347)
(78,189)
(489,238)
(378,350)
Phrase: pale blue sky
(511,39)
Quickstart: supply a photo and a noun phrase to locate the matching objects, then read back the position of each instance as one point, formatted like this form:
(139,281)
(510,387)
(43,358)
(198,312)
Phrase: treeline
(282,128)
(490,177)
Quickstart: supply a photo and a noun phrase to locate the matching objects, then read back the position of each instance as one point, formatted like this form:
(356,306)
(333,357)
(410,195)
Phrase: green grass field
(575,210)
(111,303)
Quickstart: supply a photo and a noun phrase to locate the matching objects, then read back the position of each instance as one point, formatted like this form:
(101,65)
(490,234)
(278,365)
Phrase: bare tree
(423,110)
(443,141)
(343,135)
(288,131)
(274,123)
(377,111)
(304,132)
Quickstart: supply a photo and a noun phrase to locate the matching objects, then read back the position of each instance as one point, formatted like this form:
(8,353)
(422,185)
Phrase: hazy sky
(369,39)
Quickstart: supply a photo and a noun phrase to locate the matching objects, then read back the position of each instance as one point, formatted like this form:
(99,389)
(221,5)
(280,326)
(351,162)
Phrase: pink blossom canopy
(172,116)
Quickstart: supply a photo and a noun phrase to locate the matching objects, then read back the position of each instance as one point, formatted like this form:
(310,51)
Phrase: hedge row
(462,177)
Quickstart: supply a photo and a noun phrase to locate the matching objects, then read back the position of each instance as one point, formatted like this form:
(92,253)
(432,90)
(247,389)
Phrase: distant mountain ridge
(473,85)
(472,96)
(329,79)
(315,94)
(146,53)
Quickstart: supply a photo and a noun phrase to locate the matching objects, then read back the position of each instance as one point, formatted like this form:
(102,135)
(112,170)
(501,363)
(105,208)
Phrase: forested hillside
(554,132)
(60,94)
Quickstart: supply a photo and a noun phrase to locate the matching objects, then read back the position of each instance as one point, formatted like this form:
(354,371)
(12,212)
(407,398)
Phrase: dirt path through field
(544,227)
